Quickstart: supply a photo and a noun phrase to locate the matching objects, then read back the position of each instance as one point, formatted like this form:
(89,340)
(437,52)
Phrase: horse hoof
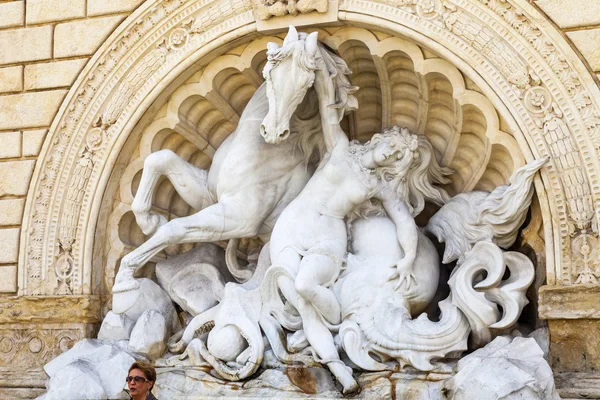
(126,286)
(150,222)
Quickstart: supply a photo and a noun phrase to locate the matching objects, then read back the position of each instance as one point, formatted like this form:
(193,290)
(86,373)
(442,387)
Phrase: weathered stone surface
(15,176)
(9,245)
(12,13)
(90,349)
(578,385)
(587,43)
(27,44)
(53,74)
(26,110)
(149,335)
(504,369)
(10,144)
(33,141)
(51,309)
(101,364)
(569,302)
(272,383)
(115,327)
(112,373)
(82,37)
(11,78)
(566,15)
(39,11)
(77,380)
(8,278)
(99,7)
(11,211)
(574,345)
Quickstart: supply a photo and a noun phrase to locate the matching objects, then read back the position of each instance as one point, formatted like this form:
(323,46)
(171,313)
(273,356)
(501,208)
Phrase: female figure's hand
(403,271)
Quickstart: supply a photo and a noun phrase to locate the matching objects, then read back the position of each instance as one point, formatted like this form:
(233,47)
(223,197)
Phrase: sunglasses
(136,379)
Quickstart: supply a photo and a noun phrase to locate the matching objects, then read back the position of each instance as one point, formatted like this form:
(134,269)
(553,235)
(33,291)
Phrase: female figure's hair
(146,368)
(415,175)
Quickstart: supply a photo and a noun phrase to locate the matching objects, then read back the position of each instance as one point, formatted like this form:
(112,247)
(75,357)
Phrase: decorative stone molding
(51,309)
(532,77)
(30,346)
(266,9)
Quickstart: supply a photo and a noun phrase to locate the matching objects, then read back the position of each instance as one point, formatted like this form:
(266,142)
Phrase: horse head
(289,73)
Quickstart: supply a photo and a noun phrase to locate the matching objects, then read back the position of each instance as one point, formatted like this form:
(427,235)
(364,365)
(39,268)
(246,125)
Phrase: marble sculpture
(346,278)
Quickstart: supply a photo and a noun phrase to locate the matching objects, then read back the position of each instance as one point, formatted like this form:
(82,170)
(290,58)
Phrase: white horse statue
(250,182)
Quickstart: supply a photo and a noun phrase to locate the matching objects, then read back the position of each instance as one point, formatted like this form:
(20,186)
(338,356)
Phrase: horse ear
(291,36)
(271,47)
(311,43)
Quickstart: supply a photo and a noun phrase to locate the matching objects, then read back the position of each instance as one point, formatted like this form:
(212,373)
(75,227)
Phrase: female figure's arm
(408,238)
(332,131)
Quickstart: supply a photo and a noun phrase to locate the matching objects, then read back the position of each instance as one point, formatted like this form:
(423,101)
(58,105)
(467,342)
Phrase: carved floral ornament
(524,66)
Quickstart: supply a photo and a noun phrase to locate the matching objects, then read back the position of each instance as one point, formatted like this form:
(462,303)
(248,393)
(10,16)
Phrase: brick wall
(44,44)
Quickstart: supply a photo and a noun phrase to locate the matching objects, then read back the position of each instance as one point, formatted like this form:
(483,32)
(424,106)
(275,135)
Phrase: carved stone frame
(524,66)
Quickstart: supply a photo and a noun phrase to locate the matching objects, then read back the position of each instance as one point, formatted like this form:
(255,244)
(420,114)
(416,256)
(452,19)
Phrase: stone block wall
(580,22)
(44,44)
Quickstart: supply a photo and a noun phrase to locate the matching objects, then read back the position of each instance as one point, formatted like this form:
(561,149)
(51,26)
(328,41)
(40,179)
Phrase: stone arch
(525,68)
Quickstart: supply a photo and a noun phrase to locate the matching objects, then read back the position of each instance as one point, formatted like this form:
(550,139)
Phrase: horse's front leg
(189,181)
(220,221)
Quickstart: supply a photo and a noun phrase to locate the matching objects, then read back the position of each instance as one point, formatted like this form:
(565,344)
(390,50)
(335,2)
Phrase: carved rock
(504,369)
(149,335)
(92,369)
(115,327)
(195,279)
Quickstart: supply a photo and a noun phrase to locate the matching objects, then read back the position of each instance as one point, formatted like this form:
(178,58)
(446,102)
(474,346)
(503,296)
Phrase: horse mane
(306,130)
(338,70)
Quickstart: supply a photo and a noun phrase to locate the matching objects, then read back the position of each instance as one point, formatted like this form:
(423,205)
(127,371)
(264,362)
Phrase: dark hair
(146,368)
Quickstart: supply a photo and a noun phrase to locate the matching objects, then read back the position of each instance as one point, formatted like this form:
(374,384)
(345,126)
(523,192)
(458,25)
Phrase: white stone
(133,304)
(195,280)
(115,327)
(504,369)
(89,349)
(100,365)
(112,373)
(75,381)
(149,335)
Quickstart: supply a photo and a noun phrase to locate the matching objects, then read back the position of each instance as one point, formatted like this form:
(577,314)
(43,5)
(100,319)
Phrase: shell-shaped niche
(400,83)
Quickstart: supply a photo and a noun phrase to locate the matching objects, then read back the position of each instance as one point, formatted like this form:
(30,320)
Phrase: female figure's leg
(316,272)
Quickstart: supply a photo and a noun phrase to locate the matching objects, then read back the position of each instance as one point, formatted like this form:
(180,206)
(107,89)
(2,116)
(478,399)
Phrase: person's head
(407,161)
(140,379)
